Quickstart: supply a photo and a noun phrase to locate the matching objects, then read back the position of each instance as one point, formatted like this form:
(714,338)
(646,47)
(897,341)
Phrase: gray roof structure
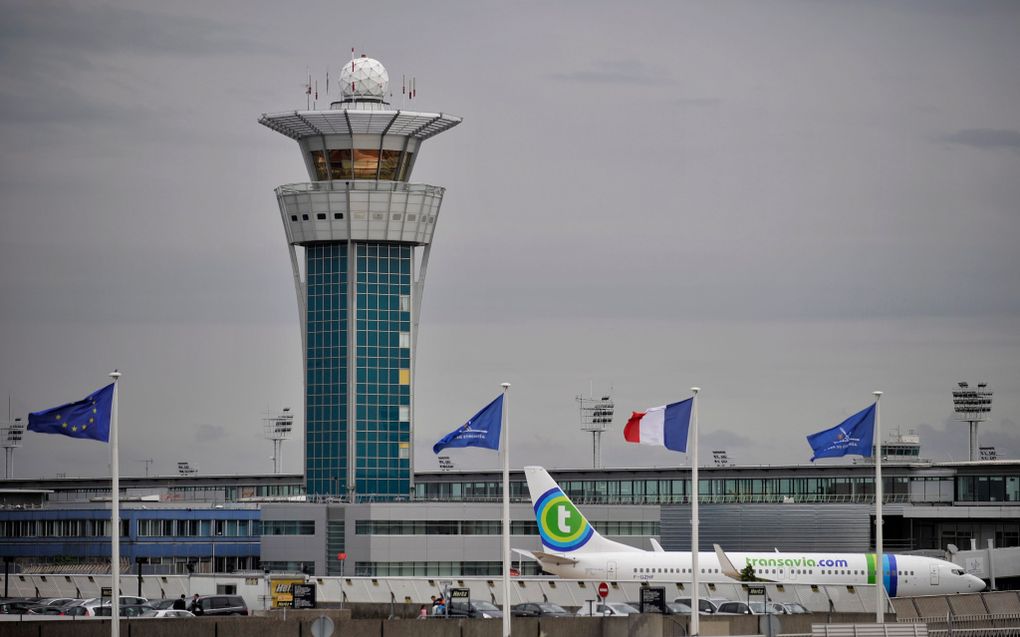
(301,124)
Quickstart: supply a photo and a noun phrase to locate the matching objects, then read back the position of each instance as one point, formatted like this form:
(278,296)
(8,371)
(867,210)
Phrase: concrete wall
(299,625)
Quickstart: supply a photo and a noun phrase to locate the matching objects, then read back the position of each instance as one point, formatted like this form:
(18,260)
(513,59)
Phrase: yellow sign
(281,591)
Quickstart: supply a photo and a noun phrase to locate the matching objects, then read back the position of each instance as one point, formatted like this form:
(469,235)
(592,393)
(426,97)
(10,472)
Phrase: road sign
(341,556)
(105,591)
(603,590)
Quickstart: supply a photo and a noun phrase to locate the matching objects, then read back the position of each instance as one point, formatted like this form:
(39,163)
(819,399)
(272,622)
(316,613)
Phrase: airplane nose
(976,583)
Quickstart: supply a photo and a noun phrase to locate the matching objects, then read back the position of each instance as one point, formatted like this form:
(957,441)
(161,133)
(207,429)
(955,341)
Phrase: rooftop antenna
(972,405)
(11,434)
(147,461)
(278,428)
(596,415)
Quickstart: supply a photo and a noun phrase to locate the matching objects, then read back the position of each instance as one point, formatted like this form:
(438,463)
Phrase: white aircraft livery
(574,549)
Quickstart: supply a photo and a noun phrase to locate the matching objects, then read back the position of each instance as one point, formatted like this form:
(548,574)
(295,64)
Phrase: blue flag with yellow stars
(87,418)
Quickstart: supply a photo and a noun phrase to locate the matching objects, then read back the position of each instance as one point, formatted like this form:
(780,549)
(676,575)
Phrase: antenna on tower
(278,428)
(596,415)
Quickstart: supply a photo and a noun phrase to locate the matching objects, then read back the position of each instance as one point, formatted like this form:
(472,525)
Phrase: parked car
(129,600)
(16,606)
(77,610)
(476,608)
(672,608)
(543,609)
(55,601)
(167,612)
(213,605)
(705,606)
(160,604)
(126,610)
(795,608)
(751,608)
(610,609)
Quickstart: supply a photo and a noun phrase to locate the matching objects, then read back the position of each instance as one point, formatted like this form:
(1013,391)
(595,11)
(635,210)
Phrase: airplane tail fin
(562,527)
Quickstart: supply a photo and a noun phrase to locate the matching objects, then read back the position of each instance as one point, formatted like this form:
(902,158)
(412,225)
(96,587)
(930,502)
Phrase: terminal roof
(302,124)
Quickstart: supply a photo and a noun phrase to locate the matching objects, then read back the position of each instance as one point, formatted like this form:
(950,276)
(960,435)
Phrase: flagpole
(506,509)
(114,515)
(879,568)
(695,602)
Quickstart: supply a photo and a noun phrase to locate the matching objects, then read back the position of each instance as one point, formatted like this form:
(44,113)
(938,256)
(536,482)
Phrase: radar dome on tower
(364,78)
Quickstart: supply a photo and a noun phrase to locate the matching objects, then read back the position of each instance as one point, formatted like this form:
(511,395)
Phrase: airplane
(573,549)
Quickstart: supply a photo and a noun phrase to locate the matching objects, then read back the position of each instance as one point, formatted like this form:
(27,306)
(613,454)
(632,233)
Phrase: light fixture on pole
(278,428)
(11,434)
(596,415)
(972,405)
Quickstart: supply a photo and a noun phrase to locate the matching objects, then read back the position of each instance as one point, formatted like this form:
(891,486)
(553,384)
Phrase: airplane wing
(540,556)
(726,566)
(656,546)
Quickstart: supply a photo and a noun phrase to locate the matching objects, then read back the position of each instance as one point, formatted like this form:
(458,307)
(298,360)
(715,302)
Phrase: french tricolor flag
(664,426)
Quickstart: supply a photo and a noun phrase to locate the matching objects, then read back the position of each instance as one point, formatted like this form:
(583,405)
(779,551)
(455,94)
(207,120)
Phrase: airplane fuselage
(903,575)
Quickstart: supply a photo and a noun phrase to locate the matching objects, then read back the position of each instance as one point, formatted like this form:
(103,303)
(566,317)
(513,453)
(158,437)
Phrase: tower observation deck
(365,231)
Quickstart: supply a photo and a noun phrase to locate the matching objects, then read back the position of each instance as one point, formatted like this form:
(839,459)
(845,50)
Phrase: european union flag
(482,430)
(87,418)
(853,435)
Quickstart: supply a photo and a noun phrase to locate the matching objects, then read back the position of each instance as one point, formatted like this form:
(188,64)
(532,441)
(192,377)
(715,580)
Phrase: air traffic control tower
(365,230)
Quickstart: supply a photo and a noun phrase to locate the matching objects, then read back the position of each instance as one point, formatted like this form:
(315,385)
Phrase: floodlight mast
(278,428)
(596,415)
(972,405)
(11,434)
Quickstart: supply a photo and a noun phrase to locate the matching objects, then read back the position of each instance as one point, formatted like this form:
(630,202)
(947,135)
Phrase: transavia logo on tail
(560,523)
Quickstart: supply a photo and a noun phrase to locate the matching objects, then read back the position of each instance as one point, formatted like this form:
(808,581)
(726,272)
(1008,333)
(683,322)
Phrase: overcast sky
(788,203)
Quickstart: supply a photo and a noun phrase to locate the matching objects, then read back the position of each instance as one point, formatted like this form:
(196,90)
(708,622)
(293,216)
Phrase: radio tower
(596,415)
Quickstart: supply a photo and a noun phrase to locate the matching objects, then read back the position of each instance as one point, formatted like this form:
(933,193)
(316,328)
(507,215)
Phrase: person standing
(180,603)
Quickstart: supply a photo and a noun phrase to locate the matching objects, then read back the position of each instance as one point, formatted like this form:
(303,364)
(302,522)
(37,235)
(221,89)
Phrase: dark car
(476,608)
(213,605)
(543,609)
(163,604)
(16,606)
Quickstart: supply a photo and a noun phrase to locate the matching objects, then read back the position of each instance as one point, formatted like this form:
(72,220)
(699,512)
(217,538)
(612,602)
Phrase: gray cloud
(210,433)
(774,226)
(987,138)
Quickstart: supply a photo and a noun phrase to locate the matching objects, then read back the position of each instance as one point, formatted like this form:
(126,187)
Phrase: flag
(86,418)
(853,435)
(664,426)
(481,430)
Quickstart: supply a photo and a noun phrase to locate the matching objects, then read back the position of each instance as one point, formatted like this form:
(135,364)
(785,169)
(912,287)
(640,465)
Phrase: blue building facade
(161,540)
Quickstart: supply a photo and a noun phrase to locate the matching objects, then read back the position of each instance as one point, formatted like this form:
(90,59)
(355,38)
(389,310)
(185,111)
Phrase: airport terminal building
(451,523)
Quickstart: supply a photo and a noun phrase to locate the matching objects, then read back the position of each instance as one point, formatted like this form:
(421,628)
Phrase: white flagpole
(693,441)
(879,574)
(114,515)
(506,509)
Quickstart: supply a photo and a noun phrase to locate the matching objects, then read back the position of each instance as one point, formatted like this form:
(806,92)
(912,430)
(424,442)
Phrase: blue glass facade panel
(382,360)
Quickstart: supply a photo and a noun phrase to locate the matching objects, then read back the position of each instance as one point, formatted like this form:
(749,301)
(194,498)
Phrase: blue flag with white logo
(482,430)
(853,435)
(87,418)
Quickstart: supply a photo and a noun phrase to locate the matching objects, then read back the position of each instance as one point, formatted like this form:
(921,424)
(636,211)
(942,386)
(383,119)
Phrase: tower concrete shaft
(365,231)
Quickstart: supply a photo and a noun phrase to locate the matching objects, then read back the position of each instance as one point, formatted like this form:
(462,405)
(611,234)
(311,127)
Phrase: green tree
(747,574)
